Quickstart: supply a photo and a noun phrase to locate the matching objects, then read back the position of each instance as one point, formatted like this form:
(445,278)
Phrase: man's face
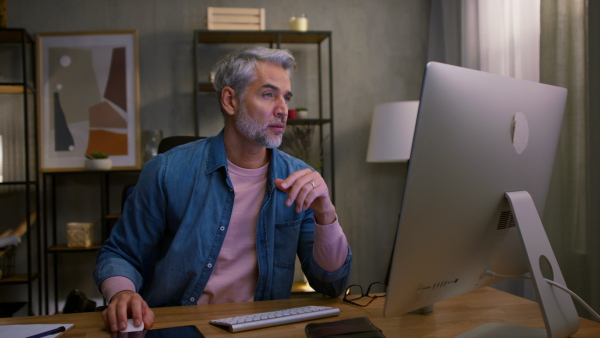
(262,116)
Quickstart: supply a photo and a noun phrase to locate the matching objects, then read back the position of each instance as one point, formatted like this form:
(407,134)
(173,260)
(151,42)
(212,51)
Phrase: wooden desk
(449,318)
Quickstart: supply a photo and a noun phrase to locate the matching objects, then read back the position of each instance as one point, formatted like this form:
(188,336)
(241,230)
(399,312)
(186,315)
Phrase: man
(226,216)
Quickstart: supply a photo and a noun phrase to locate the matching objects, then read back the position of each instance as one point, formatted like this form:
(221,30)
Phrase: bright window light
(1,156)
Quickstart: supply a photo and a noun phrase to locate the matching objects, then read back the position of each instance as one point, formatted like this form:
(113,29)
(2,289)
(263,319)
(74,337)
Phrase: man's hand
(309,190)
(123,304)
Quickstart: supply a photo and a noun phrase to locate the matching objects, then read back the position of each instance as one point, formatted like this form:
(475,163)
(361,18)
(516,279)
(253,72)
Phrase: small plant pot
(302,114)
(98,164)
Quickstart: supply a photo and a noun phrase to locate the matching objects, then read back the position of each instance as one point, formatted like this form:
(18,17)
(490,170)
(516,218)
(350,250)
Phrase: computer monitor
(478,136)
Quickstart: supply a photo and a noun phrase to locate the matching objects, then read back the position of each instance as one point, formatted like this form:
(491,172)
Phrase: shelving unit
(220,40)
(18,174)
(107,212)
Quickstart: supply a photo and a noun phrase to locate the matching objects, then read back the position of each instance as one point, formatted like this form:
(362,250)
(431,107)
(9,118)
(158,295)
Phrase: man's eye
(268,95)
(287,98)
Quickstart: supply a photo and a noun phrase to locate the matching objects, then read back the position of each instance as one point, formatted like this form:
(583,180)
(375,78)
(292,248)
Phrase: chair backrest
(165,144)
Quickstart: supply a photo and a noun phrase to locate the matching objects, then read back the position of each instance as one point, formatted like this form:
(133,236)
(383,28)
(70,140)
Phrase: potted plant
(98,161)
(298,142)
(302,113)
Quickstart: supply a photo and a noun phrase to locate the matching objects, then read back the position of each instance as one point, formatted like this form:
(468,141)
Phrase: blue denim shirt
(179,213)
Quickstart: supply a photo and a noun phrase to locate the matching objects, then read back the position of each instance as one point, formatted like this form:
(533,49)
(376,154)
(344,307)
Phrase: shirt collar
(217,158)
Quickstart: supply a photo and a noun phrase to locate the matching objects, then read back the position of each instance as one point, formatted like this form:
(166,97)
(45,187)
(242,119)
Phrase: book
(360,327)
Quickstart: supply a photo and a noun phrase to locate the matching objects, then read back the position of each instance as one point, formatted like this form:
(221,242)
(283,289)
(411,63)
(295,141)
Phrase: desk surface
(449,318)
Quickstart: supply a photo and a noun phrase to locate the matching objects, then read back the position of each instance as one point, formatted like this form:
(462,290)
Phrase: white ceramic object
(302,114)
(98,164)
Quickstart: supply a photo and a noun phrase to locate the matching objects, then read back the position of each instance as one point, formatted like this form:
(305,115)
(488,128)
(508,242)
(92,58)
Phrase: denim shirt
(178,215)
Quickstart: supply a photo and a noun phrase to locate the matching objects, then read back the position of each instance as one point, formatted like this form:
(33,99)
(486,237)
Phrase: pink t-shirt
(235,273)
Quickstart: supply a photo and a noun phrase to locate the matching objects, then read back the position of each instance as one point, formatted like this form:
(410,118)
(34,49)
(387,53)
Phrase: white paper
(24,331)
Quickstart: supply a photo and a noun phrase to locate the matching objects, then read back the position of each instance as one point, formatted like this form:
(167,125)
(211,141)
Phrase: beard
(256,131)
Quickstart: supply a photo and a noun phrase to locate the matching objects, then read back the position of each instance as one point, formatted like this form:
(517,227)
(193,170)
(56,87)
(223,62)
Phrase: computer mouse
(131,327)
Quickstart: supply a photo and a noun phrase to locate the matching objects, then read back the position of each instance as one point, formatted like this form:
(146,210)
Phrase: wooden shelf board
(64,248)
(206,87)
(85,171)
(206,36)
(13,89)
(307,121)
(17,182)
(18,278)
(14,35)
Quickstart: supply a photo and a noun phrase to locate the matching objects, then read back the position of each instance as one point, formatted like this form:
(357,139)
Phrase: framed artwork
(88,99)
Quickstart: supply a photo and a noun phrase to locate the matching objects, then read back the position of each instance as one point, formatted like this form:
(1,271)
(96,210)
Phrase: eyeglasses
(355,292)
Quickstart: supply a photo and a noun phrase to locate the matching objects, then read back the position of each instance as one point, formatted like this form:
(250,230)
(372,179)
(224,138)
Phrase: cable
(553,283)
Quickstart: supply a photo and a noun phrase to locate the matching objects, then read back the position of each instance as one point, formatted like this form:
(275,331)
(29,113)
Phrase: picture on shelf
(88,98)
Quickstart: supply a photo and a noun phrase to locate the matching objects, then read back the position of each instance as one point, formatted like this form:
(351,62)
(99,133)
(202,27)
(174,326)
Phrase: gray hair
(238,69)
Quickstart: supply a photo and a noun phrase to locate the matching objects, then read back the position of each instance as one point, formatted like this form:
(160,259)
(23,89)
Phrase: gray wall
(379,53)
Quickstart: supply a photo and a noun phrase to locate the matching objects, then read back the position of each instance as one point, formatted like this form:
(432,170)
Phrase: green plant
(301,108)
(96,155)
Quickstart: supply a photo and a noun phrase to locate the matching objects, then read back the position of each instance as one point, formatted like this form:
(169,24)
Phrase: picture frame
(88,98)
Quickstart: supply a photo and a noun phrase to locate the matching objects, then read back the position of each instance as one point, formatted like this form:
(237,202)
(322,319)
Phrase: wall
(379,53)
(594,123)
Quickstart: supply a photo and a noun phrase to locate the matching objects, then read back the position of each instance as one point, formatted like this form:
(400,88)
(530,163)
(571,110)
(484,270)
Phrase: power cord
(553,283)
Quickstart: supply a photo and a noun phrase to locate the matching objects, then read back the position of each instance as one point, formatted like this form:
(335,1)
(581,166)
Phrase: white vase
(98,164)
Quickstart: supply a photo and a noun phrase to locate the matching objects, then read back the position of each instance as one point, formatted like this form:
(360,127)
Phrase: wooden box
(224,18)
(79,235)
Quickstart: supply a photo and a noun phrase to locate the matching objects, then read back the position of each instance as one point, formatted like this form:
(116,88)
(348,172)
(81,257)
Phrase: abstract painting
(88,98)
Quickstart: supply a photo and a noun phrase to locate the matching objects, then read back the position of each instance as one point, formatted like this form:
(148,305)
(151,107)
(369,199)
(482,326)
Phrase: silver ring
(312,183)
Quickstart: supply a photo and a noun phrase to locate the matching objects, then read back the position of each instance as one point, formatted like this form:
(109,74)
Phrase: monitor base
(558,310)
(493,330)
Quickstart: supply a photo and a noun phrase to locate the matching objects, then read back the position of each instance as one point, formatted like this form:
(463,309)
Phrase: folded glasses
(355,292)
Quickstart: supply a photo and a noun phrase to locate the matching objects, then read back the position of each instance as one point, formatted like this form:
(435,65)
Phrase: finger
(299,184)
(303,193)
(110,318)
(278,183)
(309,191)
(136,310)
(148,317)
(291,180)
(312,196)
(105,318)
(122,309)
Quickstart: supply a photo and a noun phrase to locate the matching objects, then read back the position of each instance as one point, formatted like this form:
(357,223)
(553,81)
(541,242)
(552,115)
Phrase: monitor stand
(557,307)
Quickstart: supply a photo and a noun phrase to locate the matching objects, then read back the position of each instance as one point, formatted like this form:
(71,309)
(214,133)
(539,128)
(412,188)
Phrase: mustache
(279,120)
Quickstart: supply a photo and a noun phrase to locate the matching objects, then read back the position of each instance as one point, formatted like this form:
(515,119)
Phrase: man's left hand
(309,190)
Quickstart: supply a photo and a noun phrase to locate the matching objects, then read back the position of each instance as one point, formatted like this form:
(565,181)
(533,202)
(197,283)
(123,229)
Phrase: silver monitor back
(455,222)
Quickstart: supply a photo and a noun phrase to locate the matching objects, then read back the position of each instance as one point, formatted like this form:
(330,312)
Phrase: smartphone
(189,331)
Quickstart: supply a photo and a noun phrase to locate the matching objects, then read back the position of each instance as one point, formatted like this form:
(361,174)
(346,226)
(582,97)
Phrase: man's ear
(229,100)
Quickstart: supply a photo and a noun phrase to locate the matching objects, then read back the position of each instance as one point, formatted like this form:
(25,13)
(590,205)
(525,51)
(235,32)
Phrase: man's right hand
(124,304)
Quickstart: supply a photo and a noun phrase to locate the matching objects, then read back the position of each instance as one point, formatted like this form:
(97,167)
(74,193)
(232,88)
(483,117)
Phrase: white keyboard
(274,318)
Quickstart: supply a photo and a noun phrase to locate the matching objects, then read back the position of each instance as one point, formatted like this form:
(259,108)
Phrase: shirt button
(192,299)
(209,265)
(222,228)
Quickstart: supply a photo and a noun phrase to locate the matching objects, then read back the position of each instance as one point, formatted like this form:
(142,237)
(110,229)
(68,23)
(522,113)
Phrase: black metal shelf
(51,245)
(20,39)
